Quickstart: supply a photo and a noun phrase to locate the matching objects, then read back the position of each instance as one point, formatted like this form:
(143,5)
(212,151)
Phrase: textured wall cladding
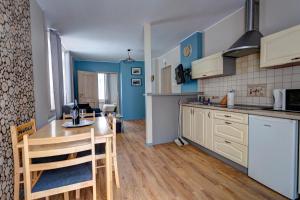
(16,81)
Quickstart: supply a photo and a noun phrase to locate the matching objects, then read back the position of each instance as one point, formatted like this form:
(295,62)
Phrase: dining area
(61,159)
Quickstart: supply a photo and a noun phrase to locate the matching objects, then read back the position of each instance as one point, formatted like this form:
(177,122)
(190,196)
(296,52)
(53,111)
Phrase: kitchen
(249,130)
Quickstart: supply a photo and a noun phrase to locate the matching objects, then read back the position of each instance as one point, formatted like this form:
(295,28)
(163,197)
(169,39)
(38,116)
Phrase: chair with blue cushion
(59,176)
(17,133)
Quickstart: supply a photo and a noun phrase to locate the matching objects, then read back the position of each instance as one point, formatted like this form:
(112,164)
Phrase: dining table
(103,134)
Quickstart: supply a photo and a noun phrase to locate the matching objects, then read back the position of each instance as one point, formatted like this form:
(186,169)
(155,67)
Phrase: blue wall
(133,100)
(90,66)
(196,40)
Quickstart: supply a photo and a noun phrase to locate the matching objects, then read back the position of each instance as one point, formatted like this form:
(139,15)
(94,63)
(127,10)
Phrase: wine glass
(74,115)
(82,113)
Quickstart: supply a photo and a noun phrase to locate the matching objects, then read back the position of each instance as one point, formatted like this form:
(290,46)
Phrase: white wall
(224,33)
(40,67)
(276,15)
(172,58)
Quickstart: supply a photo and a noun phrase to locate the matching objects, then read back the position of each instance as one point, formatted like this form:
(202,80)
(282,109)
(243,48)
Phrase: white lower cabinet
(197,125)
(231,150)
(225,133)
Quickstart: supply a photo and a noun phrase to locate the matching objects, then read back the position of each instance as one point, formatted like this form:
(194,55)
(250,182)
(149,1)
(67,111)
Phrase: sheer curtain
(57,71)
(111,89)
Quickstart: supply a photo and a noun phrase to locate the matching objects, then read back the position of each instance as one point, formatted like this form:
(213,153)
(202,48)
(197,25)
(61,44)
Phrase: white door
(187,122)
(198,126)
(88,88)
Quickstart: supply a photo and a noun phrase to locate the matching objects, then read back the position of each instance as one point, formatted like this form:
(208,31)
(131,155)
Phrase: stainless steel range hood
(249,43)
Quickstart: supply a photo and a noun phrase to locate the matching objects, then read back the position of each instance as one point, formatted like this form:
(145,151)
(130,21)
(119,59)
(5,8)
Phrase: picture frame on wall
(136,82)
(136,71)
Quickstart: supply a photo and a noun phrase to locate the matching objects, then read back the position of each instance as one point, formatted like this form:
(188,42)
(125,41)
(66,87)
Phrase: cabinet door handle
(227,123)
(227,116)
(227,142)
(208,114)
(267,125)
(204,75)
(297,58)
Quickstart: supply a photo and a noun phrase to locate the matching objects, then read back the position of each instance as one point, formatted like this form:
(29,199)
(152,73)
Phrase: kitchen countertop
(261,112)
(175,94)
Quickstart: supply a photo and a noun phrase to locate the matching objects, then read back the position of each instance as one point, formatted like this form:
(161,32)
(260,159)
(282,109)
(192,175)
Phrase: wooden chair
(86,115)
(17,133)
(100,155)
(59,176)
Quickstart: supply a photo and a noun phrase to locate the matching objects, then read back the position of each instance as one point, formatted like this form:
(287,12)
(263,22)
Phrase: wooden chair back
(48,147)
(86,115)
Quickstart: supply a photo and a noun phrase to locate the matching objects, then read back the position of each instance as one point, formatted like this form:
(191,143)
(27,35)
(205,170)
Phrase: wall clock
(187,50)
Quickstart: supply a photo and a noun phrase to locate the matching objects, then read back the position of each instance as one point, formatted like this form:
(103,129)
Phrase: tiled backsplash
(249,73)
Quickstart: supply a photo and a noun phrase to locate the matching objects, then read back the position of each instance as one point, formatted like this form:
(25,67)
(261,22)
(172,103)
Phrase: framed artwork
(136,82)
(136,71)
(187,50)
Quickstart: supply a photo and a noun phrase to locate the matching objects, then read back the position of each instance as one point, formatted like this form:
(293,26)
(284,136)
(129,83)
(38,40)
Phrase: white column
(148,84)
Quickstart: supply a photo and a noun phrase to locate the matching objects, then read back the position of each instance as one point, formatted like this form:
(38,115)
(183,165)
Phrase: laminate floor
(169,172)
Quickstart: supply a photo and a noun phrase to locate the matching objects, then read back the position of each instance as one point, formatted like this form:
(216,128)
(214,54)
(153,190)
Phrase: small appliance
(278,99)
(230,99)
(287,99)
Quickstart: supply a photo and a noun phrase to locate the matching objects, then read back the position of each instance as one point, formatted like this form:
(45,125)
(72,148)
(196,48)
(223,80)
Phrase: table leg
(108,163)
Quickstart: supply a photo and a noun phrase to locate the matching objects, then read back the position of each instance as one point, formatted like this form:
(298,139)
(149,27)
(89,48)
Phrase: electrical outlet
(257,90)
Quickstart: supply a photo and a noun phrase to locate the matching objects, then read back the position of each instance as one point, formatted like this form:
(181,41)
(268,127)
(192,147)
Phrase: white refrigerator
(273,153)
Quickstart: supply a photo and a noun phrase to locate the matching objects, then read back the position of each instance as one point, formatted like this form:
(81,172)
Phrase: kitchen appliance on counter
(273,153)
(287,99)
(278,99)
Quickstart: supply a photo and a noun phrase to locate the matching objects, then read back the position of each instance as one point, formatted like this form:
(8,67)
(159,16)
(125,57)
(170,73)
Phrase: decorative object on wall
(16,81)
(129,59)
(257,90)
(187,50)
(136,82)
(136,71)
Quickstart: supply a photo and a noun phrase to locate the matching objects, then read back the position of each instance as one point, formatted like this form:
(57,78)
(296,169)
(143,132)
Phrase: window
(67,79)
(52,102)
(101,87)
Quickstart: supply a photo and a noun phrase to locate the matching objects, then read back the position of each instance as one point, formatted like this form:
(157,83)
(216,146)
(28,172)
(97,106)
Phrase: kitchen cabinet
(214,65)
(197,126)
(208,133)
(232,131)
(187,122)
(281,48)
(231,150)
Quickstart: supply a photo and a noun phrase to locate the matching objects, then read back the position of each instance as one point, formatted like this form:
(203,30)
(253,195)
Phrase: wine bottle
(76,111)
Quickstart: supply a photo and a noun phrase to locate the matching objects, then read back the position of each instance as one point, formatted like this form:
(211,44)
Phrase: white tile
(287,78)
(263,74)
(296,69)
(287,85)
(296,85)
(270,72)
(287,71)
(278,72)
(270,79)
(295,77)
(278,79)
(278,85)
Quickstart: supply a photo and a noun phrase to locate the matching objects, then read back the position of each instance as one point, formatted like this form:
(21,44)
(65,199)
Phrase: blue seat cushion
(63,176)
(49,159)
(99,149)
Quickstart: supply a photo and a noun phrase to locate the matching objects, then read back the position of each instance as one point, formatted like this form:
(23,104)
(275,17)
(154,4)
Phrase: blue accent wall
(132,97)
(132,100)
(196,40)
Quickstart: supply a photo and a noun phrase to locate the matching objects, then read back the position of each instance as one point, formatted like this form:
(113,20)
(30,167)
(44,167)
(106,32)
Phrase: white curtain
(56,55)
(111,89)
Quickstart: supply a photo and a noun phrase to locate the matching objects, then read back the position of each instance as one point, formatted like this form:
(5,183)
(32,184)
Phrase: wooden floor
(169,172)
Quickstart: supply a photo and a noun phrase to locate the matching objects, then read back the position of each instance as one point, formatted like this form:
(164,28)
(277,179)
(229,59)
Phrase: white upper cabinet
(281,48)
(213,65)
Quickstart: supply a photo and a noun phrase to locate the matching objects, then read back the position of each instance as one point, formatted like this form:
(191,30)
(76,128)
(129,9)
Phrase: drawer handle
(227,116)
(227,123)
(267,125)
(204,75)
(227,142)
(297,58)
(209,115)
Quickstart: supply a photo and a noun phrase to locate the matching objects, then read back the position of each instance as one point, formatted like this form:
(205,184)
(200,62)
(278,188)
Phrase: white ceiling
(105,29)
